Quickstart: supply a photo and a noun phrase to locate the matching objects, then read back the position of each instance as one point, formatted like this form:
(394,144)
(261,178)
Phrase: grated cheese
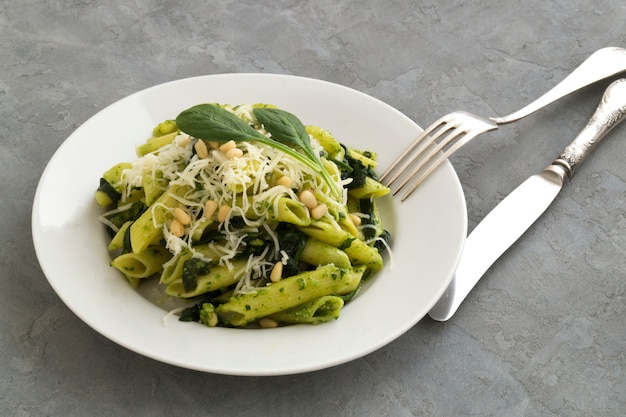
(104,216)
(246,184)
(384,242)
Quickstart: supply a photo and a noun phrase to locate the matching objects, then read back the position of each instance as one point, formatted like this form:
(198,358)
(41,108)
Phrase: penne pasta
(288,293)
(149,227)
(316,252)
(144,264)
(155,143)
(219,277)
(357,250)
(317,311)
(371,189)
(248,213)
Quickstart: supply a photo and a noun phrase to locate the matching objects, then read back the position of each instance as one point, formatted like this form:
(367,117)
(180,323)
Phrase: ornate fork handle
(607,115)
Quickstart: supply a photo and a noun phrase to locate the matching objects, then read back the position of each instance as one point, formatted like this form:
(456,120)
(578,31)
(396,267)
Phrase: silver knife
(519,210)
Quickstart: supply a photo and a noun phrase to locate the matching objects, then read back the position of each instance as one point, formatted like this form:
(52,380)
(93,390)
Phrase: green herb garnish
(213,123)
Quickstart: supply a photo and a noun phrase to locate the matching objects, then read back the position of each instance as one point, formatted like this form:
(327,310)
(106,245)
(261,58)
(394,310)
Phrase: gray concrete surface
(543,333)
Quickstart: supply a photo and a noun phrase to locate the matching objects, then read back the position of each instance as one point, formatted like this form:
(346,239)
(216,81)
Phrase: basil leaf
(285,128)
(288,129)
(211,122)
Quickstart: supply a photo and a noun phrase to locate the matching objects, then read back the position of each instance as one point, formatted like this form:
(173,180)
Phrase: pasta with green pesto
(247,216)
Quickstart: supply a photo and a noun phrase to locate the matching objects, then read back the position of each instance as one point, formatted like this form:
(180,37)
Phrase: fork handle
(602,64)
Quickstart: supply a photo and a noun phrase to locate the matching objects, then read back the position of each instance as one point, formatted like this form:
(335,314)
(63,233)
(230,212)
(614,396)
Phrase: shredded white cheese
(246,184)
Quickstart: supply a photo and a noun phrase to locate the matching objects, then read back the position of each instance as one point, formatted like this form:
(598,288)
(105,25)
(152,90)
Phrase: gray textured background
(542,334)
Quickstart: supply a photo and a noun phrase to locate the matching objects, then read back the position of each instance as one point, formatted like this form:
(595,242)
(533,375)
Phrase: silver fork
(452,131)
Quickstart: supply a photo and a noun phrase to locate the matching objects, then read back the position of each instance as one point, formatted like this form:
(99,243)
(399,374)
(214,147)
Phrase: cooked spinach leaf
(367,207)
(386,236)
(133,213)
(358,172)
(292,241)
(111,192)
(192,268)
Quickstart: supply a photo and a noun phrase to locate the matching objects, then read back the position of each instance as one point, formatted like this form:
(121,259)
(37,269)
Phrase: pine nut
(182,216)
(355,219)
(177,228)
(277,272)
(234,153)
(319,211)
(182,142)
(267,323)
(223,213)
(308,199)
(214,145)
(284,180)
(228,146)
(210,207)
(201,150)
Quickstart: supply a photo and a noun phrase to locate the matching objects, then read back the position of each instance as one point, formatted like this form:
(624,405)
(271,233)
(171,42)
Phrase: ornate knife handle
(609,113)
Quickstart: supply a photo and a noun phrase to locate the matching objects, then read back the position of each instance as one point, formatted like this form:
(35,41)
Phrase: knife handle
(609,113)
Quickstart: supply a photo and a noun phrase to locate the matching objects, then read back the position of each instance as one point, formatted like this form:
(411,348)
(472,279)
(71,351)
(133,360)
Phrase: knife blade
(510,219)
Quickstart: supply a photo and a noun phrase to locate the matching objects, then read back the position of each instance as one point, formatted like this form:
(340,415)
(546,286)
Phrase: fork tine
(414,144)
(427,142)
(461,140)
(441,157)
(429,158)
(432,147)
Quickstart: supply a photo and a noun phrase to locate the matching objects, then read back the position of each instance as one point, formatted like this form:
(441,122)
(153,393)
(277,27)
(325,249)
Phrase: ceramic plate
(427,230)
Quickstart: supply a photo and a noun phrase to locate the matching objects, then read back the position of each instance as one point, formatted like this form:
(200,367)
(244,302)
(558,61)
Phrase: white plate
(428,231)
